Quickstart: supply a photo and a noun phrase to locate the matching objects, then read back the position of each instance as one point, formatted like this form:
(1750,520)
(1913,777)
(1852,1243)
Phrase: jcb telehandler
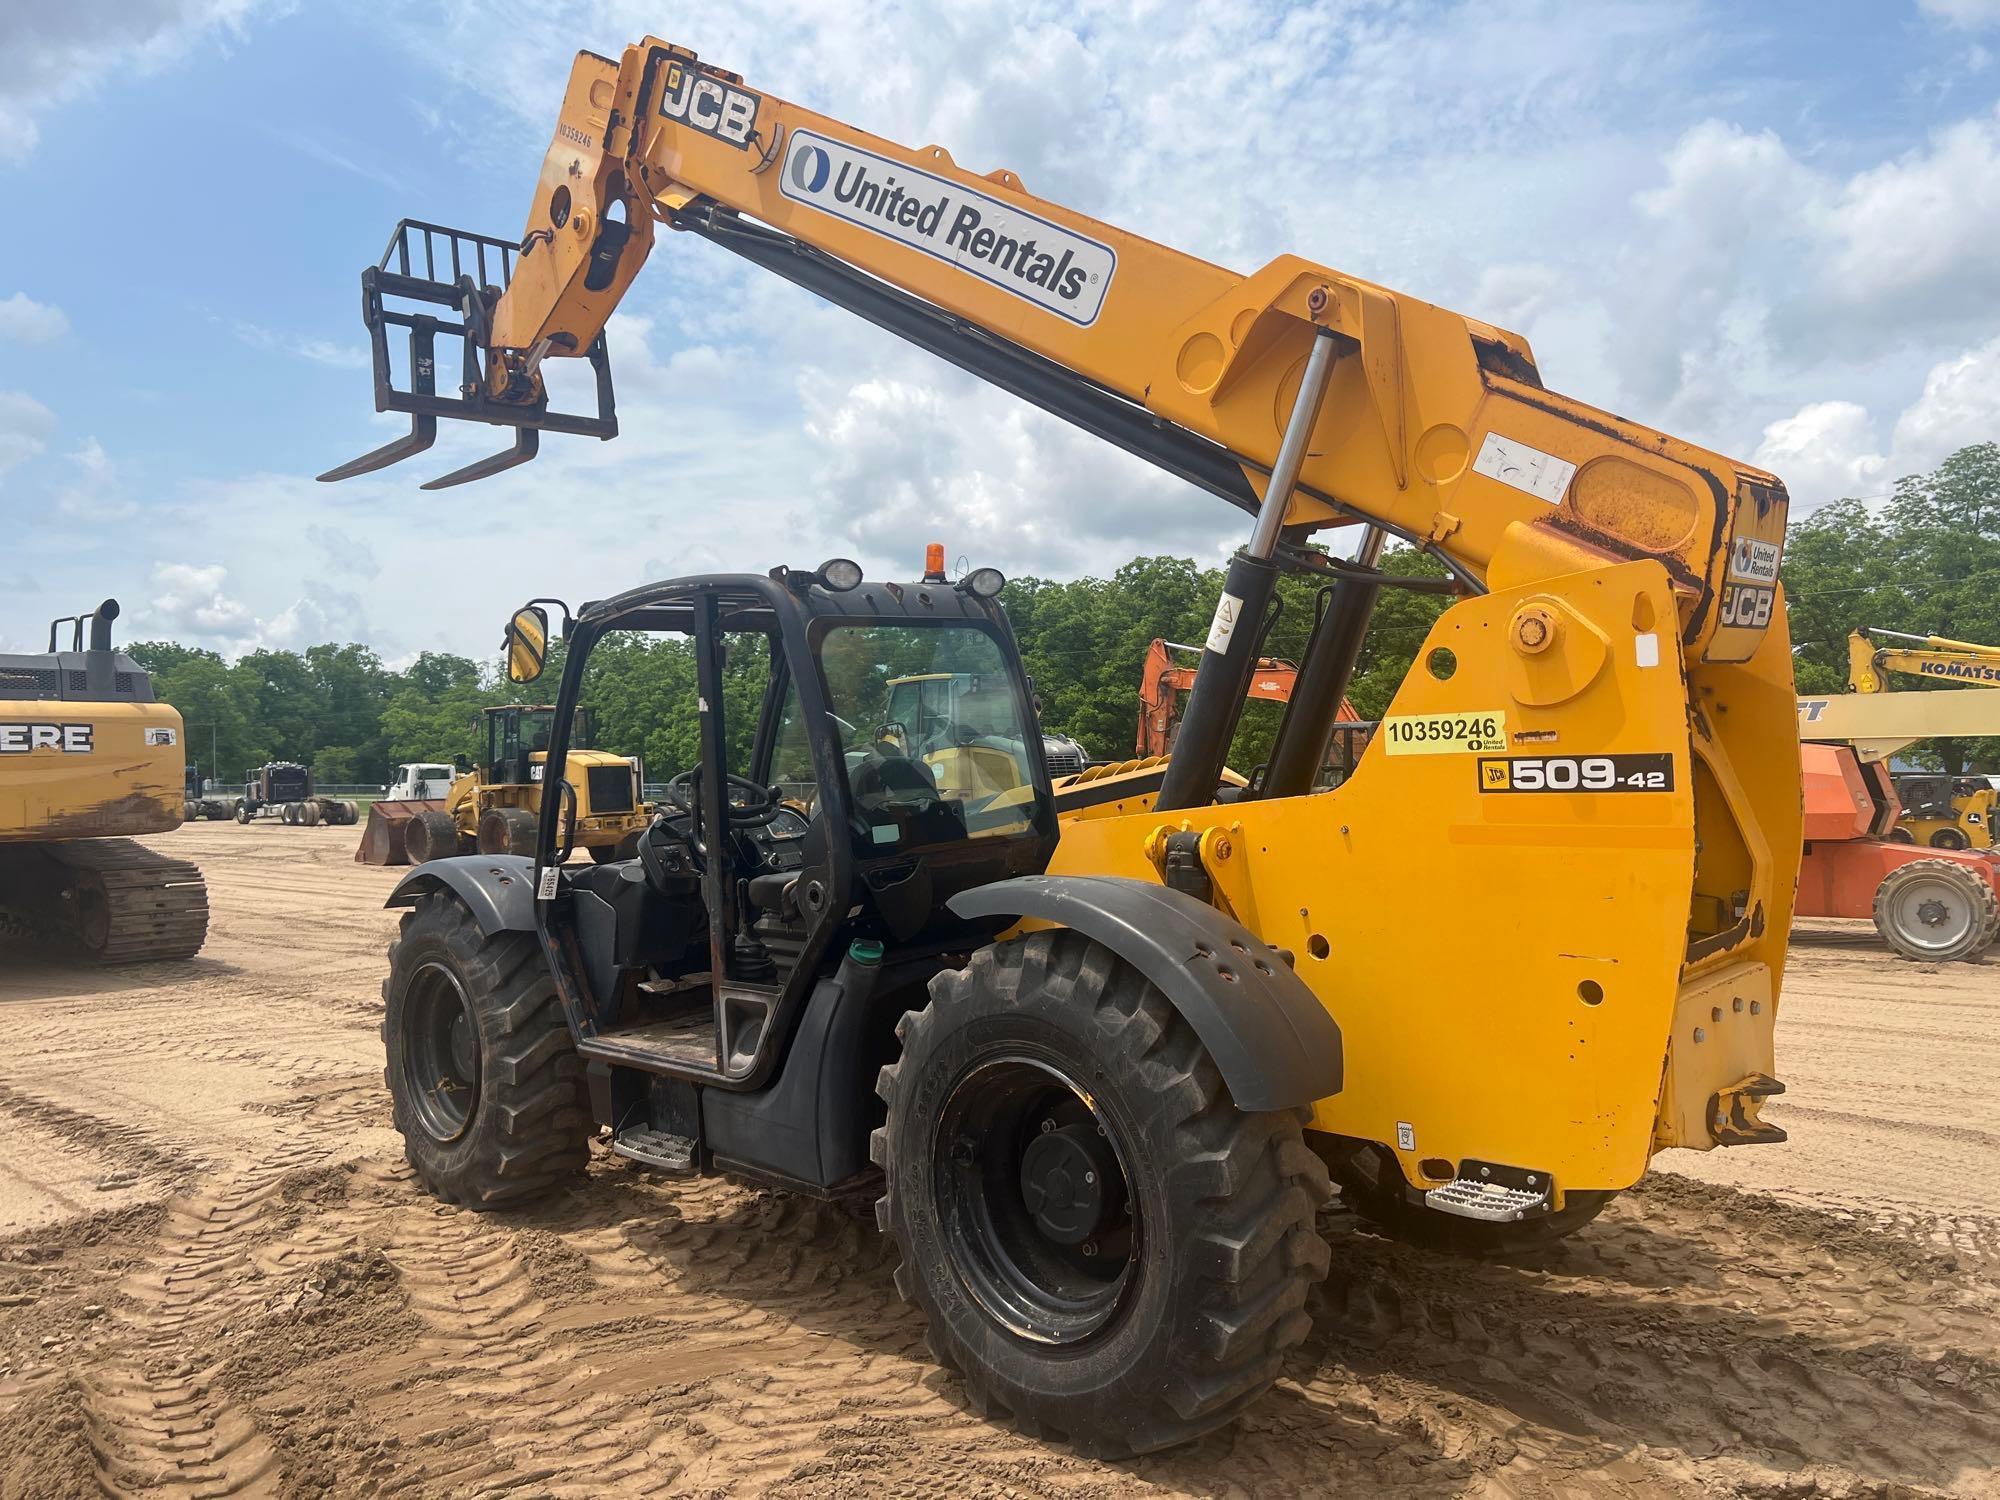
(1535,938)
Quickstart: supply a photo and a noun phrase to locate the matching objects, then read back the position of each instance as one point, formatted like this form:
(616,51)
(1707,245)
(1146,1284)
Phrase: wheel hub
(440,1044)
(1035,1205)
(1931,913)
(1063,1177)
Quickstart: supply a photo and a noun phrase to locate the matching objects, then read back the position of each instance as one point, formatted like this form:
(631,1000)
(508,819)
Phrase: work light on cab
(839,574)
(983,583)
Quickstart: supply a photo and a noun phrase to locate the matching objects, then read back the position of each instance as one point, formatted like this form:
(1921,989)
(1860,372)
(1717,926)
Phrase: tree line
(1925,558)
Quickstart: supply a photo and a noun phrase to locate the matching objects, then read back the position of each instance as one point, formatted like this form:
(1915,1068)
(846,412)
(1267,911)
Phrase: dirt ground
(216,1277)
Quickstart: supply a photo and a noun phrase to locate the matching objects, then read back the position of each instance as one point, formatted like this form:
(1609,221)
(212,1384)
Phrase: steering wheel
(759,806)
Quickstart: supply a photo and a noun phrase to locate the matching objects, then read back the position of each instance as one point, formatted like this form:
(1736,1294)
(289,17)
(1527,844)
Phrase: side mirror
(527,643)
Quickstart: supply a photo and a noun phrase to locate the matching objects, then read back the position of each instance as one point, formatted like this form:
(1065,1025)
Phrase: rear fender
(498,889)
(1273,1042)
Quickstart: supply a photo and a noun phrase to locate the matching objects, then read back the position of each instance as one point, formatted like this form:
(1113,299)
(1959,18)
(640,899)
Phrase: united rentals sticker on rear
(1038,261)
(1444,734)
(1754,561)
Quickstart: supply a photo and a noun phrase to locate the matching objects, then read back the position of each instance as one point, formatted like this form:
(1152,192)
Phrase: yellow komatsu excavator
(1536,937)
(89,758)
(1940,811)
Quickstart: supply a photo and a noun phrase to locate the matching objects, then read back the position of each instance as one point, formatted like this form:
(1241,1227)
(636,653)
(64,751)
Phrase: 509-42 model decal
(1576,773)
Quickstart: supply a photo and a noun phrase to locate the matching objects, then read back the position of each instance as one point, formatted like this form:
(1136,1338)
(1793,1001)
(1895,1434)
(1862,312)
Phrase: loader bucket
(385,840)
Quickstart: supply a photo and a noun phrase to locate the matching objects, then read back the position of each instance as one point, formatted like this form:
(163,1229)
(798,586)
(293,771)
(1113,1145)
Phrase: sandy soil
(216,1276)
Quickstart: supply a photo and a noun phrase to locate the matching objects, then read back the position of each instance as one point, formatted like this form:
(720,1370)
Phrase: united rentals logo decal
(698,99)
(70,739)
(1041,262)
(1754,561)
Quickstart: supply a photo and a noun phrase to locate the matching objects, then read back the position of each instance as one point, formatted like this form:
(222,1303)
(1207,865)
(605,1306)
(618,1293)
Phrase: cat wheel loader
(491,808)
(1096,1066)
(88,758)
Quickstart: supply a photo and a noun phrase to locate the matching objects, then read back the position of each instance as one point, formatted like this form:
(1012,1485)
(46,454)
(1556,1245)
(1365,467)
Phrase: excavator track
(127,904)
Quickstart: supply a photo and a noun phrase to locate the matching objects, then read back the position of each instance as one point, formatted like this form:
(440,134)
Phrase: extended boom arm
(1427,424)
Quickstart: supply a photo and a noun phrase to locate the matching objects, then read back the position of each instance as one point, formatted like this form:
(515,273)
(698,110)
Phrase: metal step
(1471,1198)
(656,1149)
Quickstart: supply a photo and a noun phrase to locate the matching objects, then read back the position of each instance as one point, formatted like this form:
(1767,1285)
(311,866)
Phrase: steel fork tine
(422,433)
(527,442)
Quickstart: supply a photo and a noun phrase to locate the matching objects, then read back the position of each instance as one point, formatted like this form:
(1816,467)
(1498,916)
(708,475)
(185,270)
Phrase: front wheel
(242,812)
(1107,1249)
(507,830)
(1949,838)
(484,1081)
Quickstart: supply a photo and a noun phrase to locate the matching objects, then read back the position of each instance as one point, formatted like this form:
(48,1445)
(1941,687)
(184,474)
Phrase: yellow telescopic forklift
(88,758)
(1096,1065)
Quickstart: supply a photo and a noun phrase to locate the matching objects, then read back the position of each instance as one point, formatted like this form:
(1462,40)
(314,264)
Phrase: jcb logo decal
(1747,604)
(704,102)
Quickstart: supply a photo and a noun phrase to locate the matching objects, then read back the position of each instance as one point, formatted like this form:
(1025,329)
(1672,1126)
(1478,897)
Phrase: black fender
(1272,1040)
(498,889)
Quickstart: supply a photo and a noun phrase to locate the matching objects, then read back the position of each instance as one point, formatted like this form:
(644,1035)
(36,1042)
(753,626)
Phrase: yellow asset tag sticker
(1445,734)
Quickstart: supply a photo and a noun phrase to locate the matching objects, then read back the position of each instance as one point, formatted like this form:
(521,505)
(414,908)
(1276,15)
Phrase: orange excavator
(1163,680)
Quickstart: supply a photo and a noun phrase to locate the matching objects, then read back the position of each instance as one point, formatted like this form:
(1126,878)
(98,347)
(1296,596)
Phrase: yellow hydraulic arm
(1550,907)
(1932,657)
(1432,425)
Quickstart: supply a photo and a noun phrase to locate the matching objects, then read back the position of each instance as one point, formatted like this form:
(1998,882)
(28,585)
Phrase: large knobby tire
(1107,1249)
(1936,911)
(431,835)
(1373,1187)
(1949,838)
(483,1076)
(507,830)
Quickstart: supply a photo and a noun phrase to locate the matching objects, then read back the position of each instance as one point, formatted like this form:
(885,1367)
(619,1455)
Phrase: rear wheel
(507,830)
(431,835)
(1936,910)
(1948,838)
(1901,835)
(483,1076)
(1107,1249)
(1372,1185)
(309,814)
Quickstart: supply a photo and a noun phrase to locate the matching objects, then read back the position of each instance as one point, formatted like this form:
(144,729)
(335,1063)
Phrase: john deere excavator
(88,758)
(1537,937)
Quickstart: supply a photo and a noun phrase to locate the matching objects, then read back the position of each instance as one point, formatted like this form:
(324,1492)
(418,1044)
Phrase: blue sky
(1765,227)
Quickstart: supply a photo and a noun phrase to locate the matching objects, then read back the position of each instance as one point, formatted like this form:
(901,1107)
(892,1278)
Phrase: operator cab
(862,753)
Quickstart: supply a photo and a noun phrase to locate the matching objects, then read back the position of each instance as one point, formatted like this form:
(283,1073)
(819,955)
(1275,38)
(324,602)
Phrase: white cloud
(1824,452)
(25,425)
(338,356)
(191,603)
(1960,405)
(1831,449)
(1970,14)
(26,321)
(54,54)
(1918,235)
(91,490)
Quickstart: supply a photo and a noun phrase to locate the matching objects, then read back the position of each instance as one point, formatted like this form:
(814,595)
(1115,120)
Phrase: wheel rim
(440,1052)
(1034,1201)
(1932,914)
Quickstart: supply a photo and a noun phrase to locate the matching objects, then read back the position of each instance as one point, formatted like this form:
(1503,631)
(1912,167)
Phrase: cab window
(933,733)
